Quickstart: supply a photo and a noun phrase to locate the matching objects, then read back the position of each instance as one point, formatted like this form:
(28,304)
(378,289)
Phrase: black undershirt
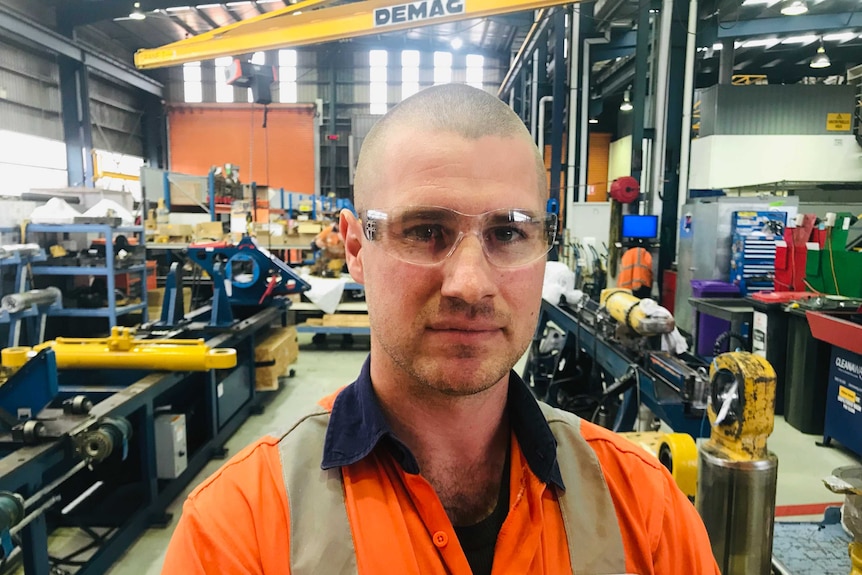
(478,540)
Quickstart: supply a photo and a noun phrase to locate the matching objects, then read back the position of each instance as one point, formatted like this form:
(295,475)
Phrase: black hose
(726,336)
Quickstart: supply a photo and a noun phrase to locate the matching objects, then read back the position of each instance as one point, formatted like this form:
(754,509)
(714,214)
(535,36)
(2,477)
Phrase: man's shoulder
(262,457)
(608,445)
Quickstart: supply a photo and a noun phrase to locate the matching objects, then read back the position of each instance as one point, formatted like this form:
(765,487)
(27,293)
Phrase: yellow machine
(122,351)
(631,312)
(738,475)
(676,451)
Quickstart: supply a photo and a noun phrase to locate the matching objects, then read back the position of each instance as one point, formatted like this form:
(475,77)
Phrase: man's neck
(460,442)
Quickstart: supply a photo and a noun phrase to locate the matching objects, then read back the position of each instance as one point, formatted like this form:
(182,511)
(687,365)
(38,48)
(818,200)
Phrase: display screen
(635,226)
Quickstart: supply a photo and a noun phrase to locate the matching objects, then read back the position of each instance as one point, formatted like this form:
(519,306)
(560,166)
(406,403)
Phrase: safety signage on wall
(838,122)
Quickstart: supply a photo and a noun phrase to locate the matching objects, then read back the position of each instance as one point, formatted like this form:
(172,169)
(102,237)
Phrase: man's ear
(350,229)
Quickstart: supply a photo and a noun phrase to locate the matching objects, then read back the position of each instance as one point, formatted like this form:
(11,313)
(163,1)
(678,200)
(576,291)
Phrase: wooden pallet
(280,348)
(345,320)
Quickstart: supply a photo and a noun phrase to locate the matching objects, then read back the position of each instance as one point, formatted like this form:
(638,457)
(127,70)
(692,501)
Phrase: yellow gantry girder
(297,25)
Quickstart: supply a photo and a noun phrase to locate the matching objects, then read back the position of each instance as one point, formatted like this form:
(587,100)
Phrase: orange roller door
(281,155)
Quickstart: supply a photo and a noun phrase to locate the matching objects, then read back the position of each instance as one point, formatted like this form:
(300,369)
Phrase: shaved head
(452,108)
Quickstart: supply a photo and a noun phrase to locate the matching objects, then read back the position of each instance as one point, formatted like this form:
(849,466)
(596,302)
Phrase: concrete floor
(319,372)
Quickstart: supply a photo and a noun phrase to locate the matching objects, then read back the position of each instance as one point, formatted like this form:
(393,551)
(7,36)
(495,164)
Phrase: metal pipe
(541,127)
(660,105)
(18,302)
(572,192)
(687,102)
(534,88)
(585,110)
(725,61)
(36,497)
(10,250)
(31,516)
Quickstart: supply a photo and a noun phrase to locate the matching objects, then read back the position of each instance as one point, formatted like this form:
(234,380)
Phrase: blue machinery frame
(131,498)
(659,395)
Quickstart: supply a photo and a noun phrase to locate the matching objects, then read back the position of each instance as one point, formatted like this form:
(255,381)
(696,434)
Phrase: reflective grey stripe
(592,529)
(320,536)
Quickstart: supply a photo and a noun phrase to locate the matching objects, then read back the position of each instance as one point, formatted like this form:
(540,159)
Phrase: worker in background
(438,459)
(636,272)
(330,256)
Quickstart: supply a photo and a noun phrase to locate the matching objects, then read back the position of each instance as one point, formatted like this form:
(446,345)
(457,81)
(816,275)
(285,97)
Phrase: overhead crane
(310,22)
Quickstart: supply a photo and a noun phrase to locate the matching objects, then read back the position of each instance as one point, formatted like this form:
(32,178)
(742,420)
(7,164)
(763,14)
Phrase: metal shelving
(109,270)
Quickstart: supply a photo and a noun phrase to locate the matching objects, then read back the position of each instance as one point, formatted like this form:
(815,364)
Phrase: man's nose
(467,274)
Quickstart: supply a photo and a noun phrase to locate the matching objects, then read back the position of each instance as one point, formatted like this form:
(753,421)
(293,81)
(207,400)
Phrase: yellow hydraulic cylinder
(629,311)
(122,351)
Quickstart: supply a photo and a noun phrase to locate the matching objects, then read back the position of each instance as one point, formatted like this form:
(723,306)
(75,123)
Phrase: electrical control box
(171,445)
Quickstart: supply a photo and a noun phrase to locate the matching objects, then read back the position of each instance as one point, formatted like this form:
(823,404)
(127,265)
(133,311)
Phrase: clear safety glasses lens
(427,235)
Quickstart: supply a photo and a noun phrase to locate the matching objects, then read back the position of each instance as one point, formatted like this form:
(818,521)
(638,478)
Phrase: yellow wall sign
(838,122)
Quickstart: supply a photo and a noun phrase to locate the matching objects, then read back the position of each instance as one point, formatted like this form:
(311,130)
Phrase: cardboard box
(156,298)
(277,351)
(188,191)
(311,228)
(346,320)
(208,231)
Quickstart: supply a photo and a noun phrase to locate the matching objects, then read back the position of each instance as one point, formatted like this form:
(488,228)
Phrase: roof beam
(231,14)
(538,32)
(204,16)
(283,28)
(28,31)
(181,23)
(258,7)
(795,25)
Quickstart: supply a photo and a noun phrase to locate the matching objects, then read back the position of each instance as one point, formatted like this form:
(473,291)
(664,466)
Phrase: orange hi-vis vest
(636,269)
(273,510)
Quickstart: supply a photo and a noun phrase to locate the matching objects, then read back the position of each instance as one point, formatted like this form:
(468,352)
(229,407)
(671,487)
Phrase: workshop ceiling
(767,43)
(168,21)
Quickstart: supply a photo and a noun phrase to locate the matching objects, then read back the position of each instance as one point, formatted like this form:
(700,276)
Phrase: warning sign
(838,122)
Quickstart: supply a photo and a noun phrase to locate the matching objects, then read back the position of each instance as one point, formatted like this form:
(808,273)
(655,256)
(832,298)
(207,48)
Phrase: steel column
(558,118)
(676,81)
(638,92)
(77,127)
(155,132)
(725,61)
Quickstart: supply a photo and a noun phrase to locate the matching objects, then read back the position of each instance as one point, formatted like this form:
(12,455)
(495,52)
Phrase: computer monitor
(639,227)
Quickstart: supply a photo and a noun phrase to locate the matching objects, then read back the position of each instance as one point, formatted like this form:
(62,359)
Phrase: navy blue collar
(357,426)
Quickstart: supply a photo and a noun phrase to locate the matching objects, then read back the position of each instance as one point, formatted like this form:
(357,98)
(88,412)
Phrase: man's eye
(507,234)
(423,233)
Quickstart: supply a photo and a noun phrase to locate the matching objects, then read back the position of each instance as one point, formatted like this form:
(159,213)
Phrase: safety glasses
(427,235)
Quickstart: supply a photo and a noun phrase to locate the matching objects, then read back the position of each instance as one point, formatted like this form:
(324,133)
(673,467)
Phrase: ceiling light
(820,60)
(765,42)
(794,8)
(717,46)
(839,37)
(594,121)
(800,39)
(137,13)
(457,43)
(626,106)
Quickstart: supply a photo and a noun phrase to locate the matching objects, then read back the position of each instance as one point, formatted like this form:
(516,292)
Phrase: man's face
(456,327)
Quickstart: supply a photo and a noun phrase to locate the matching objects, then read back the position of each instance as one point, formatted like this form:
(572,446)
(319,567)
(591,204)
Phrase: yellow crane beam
(296,25)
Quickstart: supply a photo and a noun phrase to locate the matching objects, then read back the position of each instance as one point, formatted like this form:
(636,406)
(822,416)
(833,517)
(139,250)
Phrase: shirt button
(440,539)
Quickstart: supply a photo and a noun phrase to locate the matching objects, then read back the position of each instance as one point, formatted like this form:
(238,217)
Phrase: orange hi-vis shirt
(636,269)
(239,520)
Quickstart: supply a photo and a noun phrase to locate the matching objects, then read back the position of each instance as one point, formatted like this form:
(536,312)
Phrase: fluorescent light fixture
(626,106)
(820,60)
(839,37)
(594,121)
(456,43)
(137,13)
(800,39)
(178,8)
(717,46)
(232,4)
(762,42)
(768,3)
(794,8)
(202,6)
